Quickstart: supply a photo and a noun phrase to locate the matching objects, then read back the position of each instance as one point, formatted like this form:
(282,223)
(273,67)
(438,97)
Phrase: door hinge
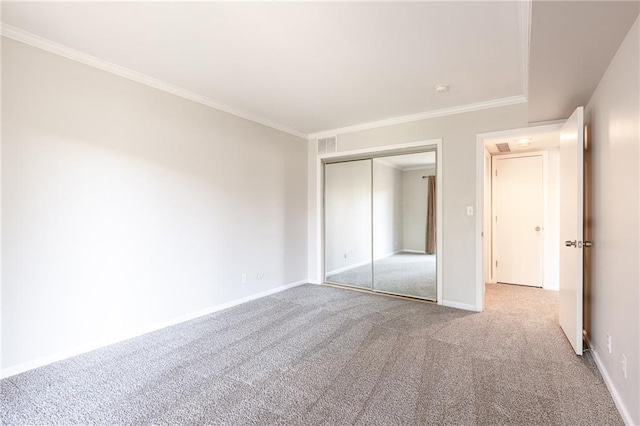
(496,173)
(496,263)
(496,219)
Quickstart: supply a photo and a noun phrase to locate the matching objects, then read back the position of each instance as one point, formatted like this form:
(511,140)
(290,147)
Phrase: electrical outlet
(244,278)
(624,365)
(609,343)
(260,275)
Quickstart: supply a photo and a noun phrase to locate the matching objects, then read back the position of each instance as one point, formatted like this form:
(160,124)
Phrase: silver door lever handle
(570,243)
(588,244)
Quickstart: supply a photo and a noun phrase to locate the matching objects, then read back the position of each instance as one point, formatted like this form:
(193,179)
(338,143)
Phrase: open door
(571,227)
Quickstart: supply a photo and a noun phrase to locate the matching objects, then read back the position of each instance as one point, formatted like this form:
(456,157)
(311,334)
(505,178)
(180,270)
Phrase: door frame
(545,208)
(480,138)
(381,151)
(487,213)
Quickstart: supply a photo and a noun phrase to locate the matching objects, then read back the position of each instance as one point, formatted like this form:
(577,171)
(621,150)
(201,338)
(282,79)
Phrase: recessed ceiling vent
(503,147)
(328,145)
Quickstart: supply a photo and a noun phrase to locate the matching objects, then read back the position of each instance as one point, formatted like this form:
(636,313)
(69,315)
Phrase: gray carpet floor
(317,355)
(409,274)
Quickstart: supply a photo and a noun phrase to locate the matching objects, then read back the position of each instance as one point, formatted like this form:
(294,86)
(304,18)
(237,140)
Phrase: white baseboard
(414,251)
(624,413)
(384,256)
(356,265)
(346,268)
(459,305)
(40,362)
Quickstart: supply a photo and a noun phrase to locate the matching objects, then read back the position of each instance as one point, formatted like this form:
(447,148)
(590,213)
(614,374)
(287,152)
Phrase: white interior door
(571,227)
(518,199)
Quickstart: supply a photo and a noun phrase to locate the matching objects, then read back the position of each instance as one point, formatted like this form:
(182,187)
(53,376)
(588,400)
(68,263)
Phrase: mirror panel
(404,213)
(348,239)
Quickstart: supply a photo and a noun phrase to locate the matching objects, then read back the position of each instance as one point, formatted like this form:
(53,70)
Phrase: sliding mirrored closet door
(404,228)
(347,209)
(379,224)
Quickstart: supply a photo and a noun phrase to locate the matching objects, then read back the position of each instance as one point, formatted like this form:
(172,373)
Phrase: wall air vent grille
(327,145)
(503,147)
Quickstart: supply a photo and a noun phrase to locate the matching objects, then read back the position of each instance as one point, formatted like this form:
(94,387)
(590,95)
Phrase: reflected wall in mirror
(348,240)
(404,228)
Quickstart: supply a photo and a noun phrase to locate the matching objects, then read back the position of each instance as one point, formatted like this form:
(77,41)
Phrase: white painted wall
(387,210)
(613,117)
(124,207)
(348,215)
(459,186)
(415,208)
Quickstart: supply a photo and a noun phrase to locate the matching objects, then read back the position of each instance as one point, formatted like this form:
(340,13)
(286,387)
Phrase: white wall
(613,116)
(387,210)
(124,207)
(458,178)
(348,215)
(415,208)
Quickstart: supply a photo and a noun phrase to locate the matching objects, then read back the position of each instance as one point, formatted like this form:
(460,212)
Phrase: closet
(380,224)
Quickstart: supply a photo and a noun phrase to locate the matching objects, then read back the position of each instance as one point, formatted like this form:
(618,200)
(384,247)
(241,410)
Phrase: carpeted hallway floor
(409,274)
(321,355)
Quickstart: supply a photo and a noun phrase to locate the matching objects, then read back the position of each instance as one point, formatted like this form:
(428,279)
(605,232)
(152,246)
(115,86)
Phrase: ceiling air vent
(503,147)
(327,145)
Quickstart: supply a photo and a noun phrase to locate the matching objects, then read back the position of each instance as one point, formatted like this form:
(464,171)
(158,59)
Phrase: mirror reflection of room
(382,209)
(404,231)
(348,239)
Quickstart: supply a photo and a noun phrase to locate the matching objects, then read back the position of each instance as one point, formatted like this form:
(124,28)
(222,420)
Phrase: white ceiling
(409,161)
(542,140)
(572,43)
(307,66)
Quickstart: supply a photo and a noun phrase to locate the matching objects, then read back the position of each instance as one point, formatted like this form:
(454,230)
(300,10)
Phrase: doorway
(381,223)
(564,252)
(520,226)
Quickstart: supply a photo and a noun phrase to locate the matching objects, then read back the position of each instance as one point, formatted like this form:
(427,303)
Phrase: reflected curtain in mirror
(431,215)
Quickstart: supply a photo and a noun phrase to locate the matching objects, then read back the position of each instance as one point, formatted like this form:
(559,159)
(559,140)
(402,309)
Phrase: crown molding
(513,100)
(380,160)
(428,167)
(425,166)
(78,56)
